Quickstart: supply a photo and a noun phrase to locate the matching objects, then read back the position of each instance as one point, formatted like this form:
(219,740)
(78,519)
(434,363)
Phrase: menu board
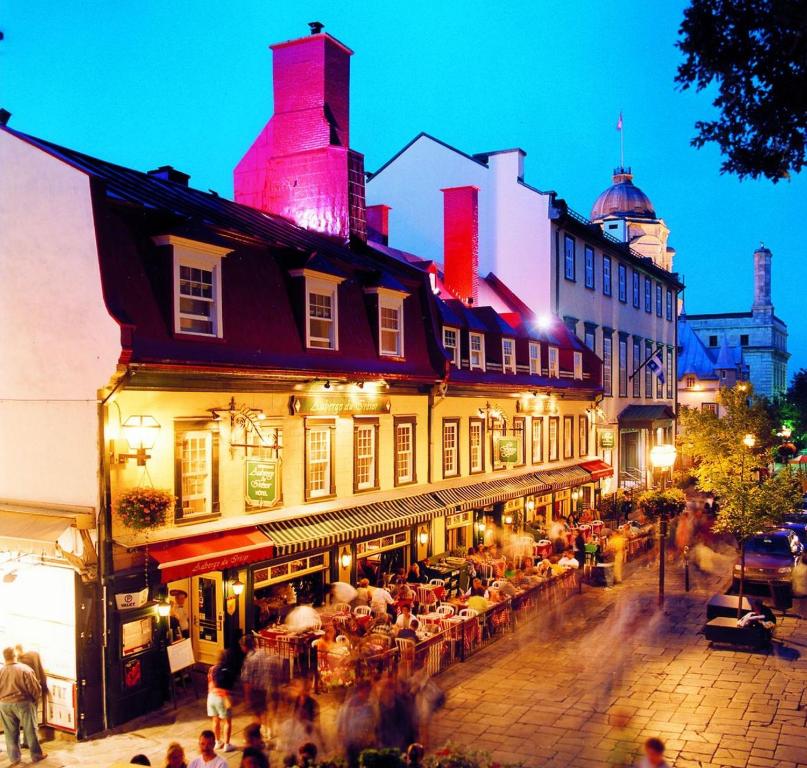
(137,635)
(60,708)
(180,655)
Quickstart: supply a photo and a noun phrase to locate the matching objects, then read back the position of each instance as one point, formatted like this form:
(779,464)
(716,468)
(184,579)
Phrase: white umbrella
(343,592)
(303,617)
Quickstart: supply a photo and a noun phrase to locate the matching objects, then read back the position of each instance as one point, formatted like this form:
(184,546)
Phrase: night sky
(188,84)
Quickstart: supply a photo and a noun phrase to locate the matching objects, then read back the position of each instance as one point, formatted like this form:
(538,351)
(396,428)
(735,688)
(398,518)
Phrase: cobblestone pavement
(582,686)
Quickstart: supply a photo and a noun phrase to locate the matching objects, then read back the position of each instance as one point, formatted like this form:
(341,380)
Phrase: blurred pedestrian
(175,756)
(395,713)
(414,755)
(253,738)
(254,758)
(139,760)
(260,677)
(207,755)
(355,723)
(219,705)
(307,755)
(20,692)
(653,754)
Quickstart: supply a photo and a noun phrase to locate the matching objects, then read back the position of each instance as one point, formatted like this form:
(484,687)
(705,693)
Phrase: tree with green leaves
(731,455)
(754,52)
(655,502)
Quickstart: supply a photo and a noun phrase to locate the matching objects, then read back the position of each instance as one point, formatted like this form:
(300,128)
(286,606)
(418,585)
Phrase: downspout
(434,400)
(557,271)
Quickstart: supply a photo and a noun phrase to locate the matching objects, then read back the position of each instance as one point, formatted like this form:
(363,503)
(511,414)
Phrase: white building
(619,299)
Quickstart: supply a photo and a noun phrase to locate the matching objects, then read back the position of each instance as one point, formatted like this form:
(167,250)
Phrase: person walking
(219,706)
(20,692)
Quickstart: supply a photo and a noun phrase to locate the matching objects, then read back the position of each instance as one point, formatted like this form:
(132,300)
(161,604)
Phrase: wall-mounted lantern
(345,558)
(141,433)
(423,537)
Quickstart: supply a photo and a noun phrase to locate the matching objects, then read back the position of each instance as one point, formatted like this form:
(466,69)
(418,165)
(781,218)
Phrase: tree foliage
(755,53)
(749,499)
(794,406)
(654,502)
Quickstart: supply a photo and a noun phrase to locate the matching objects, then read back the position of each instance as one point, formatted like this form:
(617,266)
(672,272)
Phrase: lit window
(537,439)
(196,468)
(451,344)
(568,437)
(322,309)
(554,363)
(520,433)
(607,365)
(689,382)
(553,438)
(578,365)
(582,436)
(477,351)
(568,253)
(450,448)
(318,461)
(475,444)
(710,407)
(364,442)
(535,358)
(589,256)
(390,322)
(508,356)
(404,452)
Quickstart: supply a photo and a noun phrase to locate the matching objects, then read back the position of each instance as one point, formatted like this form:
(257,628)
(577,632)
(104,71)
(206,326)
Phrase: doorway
(206,614)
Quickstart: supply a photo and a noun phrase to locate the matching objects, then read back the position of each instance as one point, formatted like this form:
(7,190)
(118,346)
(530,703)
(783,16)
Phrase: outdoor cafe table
(289,646)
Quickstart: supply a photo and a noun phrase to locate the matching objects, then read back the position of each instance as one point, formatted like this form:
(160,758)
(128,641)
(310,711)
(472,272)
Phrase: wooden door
(207,617)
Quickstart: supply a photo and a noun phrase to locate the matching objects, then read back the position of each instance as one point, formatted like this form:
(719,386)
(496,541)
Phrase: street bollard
(686,569)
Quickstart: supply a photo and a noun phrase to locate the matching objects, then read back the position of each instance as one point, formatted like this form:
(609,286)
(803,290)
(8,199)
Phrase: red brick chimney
(461,242)
(378,223)
(301,166)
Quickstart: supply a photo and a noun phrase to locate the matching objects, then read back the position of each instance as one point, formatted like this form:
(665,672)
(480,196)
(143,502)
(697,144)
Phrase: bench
(726,606)
(724,630)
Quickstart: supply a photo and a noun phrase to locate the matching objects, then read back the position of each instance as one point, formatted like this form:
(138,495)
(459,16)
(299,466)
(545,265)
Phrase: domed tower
(626,213)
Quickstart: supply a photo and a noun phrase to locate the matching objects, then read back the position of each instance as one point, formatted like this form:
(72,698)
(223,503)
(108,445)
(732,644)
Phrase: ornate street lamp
(662,457)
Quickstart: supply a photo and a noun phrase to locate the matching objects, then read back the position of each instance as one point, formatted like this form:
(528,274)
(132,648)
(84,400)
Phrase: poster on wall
(507,449)
(261,481)
(132,673)
(61,704)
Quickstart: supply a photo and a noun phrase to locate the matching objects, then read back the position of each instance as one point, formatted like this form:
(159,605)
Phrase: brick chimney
(378,223)
(762,282)
(461,242)
(301,166)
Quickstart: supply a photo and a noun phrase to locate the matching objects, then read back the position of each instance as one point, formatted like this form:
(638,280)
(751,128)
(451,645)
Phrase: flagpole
(621,141)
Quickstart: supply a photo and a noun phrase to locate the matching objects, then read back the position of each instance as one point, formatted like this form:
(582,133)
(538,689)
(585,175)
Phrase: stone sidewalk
(583,685)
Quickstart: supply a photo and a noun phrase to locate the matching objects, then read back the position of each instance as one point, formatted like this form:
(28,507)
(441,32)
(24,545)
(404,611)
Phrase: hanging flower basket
(143,508)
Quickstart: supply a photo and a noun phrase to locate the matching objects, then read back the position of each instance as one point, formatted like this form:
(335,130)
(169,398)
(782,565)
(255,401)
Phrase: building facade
(319,407)
(607,280)
(760,334)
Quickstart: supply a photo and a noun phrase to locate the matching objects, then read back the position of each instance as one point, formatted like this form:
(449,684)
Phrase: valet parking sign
(261,481)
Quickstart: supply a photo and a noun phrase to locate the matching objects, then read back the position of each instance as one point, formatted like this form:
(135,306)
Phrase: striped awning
(598,469)
(493,491)
(564,477)
(327,529)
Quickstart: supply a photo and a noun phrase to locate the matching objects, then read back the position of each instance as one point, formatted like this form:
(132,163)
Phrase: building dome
(623,198)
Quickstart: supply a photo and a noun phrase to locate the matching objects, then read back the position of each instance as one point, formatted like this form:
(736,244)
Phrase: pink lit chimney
(461,242)
(301,166)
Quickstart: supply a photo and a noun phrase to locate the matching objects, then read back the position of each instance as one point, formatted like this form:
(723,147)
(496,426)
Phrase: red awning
(597,469)
(211,552)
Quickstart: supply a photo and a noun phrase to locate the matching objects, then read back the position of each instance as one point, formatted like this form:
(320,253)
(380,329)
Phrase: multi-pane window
(568,257)
(537,439)
(669,305)
(553,438)
(568,437)
(578,365)
(648,373)
(623,368)
(637,361)
(321,314)
(689,381)
(554,362)
(668,372)
(658,299)
(636,288)
(196,474)
(589,256)
(508,356)
(710,407)
(582,435)
(589,339)
(318,457)
(390,324)
(197,295)
(535,358)
(476,444)
(648,295)
(607,365)
(622,282)
(404,452)
(520,433)
(451,344)
(659,382)
(451,429)
(476,347)
(606,275)
(365,451)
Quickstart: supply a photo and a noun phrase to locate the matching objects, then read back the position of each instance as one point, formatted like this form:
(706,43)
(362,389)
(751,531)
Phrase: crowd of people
(22,686)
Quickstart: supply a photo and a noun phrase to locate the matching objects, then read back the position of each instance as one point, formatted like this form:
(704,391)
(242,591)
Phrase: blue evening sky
(188,84)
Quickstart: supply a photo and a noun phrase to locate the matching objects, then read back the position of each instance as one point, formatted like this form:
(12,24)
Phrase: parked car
(771,558)
(797,522)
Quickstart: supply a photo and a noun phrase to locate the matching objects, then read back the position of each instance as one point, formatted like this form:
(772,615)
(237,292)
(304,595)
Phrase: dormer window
(554,363)
(535,358)
(689,382)
(197,285)
(451,344)
(390,324)
(476,346)
(578,365)
(322,314)
(508,356)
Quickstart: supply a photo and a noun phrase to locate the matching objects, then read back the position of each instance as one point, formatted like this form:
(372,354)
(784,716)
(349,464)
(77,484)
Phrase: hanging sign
(607,438)
(339,404)
(507,449)
(261,482)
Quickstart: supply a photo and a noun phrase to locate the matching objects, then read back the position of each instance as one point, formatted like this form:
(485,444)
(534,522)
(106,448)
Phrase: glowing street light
(749,441)
(662,457)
